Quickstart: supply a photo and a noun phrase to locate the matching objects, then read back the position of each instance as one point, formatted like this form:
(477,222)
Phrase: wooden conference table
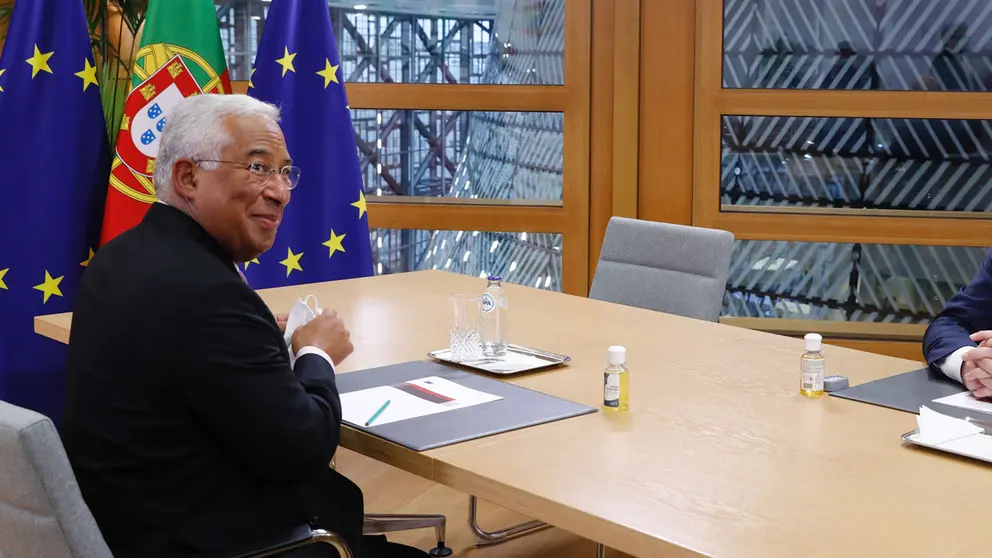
(718,456)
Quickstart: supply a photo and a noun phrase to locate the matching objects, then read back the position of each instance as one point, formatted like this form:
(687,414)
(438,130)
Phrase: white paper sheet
(953,435)
(937,428)
(966,400)
(416,398)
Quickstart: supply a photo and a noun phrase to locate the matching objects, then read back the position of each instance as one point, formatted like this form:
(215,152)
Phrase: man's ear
(184,179)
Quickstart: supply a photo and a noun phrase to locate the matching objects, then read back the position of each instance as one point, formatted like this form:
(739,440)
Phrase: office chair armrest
(300,537)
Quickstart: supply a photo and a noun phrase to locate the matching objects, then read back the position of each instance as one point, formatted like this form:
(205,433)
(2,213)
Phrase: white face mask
(299,316)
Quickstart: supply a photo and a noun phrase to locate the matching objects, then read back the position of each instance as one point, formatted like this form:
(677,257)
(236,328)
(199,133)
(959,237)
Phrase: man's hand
(976,371)
(983,338)
(327,332)
(281,320)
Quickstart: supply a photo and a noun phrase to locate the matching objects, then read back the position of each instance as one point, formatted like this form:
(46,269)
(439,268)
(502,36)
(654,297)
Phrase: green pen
(377,413)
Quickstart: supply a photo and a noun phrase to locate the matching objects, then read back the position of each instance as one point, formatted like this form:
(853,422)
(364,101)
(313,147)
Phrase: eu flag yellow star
(50,286)
(292,262)
(329,73)
(39,62)
(88,74)
(87,262)
(334,243)
(1,74)
(2,273)
(287,62)
(249,262)
(360,204)
(250,84)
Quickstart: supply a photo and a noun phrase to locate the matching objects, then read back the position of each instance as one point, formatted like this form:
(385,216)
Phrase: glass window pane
(846,282)
(461,154)
(416,41)
(532,259)
(873,163)
(938,45)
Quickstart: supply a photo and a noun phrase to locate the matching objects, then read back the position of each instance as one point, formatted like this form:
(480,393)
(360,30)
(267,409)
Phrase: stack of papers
(408,400)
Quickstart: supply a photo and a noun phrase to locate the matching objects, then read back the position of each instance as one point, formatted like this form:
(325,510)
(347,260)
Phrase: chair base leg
(386,523)
(485,538)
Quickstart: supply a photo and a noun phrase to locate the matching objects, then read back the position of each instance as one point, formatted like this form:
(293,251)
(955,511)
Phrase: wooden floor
(389,490)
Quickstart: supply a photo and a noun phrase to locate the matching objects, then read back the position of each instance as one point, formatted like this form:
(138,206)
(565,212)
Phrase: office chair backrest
(42,512)
(668,268)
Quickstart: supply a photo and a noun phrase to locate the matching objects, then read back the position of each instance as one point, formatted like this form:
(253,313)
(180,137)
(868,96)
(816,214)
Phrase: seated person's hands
(976,367)
(327,332)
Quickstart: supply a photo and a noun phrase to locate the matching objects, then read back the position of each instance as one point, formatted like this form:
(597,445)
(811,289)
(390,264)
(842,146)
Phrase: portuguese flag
(180,55)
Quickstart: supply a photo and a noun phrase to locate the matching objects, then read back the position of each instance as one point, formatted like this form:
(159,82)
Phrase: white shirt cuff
(311,350)
(951,367)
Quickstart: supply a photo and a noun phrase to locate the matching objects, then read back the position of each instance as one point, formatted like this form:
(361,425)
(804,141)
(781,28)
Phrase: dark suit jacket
(185,424)
(968,311)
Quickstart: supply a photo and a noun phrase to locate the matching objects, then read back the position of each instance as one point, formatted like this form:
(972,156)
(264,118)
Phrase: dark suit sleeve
(276,421)
(968,311)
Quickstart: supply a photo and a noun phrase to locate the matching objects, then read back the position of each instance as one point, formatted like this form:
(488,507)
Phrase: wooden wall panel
(626,105)
(601,128)
(578,52)
(667,85)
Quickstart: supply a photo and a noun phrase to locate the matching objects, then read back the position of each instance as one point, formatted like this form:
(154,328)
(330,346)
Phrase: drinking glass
(465,344)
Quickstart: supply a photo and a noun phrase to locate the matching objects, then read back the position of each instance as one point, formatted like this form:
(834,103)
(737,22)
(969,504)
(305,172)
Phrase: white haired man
(188,430)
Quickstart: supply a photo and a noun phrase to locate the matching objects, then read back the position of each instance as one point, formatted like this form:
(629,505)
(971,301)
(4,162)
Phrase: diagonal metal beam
(437,53)
(373,158)
(363,47)
(436,147)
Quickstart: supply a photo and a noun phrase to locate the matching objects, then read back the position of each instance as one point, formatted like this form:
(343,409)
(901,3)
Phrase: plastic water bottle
(492,329)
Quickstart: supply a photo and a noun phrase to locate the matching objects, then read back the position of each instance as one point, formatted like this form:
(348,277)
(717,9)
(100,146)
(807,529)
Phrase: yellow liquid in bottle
(616,379)
(624,390)
(811,375)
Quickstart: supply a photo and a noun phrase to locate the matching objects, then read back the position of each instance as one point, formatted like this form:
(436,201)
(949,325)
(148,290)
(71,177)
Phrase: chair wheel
(440,550)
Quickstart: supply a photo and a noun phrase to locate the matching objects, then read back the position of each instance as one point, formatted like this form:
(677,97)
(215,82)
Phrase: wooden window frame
(569,217)
(925,228)
(801,224)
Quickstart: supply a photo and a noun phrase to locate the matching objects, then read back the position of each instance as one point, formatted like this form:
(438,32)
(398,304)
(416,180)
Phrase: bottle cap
(814,341)
(616,355)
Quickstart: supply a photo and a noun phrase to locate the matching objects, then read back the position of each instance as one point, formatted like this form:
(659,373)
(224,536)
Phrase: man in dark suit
(188,430)
(959,340)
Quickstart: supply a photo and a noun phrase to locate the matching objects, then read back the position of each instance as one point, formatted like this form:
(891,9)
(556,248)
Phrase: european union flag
(324,234)
(54,163)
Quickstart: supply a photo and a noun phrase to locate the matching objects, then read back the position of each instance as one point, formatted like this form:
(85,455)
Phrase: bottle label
(812,371)
(611,389)
(488,302)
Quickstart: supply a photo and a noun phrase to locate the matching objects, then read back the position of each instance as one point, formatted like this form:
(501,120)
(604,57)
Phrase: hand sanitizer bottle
(812,366)
(492,327)
(616,380)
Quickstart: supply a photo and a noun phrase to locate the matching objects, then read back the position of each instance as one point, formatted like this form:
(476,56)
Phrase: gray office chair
(674,269)
(42,512)
(382,523)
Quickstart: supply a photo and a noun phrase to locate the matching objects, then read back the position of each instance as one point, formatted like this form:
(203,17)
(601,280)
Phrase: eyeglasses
(264,172)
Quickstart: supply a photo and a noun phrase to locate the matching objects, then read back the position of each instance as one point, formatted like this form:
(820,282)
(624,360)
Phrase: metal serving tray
(913,438)
(518,359)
